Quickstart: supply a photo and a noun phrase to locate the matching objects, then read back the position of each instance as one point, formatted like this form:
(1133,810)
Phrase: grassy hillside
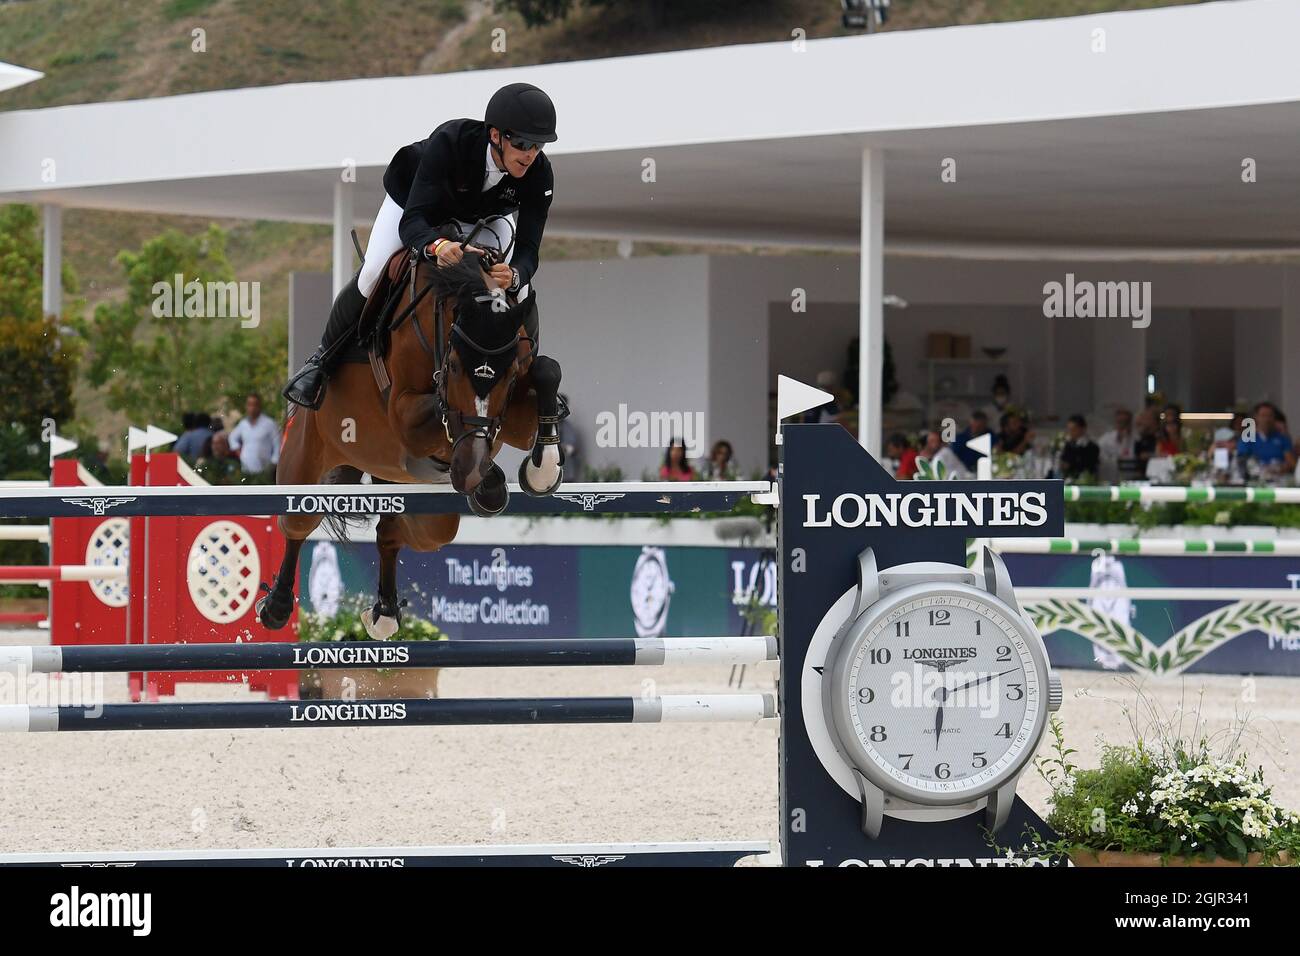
(96,50)
(92,50)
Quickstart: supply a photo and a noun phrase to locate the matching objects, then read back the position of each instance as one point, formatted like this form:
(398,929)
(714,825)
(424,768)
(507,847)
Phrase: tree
(158,354)
(38,356)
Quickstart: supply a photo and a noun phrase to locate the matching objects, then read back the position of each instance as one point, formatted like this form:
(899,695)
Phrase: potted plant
(1165,799)
(366,683)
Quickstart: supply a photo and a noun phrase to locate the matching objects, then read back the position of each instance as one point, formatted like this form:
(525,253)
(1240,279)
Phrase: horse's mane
(463,277)
(464,282)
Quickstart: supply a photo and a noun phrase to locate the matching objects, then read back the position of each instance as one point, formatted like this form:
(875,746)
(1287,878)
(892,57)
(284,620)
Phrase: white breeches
(385,239)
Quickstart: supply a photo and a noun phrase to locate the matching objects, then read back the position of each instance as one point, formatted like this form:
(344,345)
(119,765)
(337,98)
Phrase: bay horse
(450,373)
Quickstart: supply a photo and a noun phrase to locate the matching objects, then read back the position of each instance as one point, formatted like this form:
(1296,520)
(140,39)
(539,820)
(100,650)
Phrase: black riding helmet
(524,110)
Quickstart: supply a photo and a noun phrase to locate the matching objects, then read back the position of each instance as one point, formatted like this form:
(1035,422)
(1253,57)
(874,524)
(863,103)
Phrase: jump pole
(581,855)
(605,497)
(677,708)
(10,573)
(585,652)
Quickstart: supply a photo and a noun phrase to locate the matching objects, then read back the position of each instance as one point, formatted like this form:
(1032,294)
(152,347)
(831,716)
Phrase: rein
(457,424)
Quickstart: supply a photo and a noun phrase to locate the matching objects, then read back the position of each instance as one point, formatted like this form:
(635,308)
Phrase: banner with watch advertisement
(552,591)
(602,591)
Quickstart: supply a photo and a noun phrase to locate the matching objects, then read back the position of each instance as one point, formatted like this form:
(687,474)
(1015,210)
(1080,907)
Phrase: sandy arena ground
(476,785)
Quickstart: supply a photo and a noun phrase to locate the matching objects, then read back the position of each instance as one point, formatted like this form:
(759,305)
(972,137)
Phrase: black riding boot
(307,386)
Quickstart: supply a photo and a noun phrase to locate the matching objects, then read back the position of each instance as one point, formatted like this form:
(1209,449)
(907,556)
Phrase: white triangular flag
(156,437)
(793,397)
(60,445)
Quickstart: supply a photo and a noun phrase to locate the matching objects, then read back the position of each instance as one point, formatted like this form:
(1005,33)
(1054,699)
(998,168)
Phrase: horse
(450,373)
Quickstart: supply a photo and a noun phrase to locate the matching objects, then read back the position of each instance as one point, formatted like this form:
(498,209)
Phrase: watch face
(943,694)
(650,593)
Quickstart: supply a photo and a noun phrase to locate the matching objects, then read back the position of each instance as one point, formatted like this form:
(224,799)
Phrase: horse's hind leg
(394,532)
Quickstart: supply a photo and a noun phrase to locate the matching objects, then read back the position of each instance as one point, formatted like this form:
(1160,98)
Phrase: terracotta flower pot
(409,682)
(1085,857)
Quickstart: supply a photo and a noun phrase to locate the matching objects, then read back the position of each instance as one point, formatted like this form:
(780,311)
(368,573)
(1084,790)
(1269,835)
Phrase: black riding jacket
(441,178)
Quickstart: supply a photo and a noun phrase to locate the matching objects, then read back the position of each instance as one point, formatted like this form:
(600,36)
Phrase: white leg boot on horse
(543,470)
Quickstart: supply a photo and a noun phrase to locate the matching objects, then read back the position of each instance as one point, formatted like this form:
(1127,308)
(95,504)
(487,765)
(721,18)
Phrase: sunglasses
(520,143)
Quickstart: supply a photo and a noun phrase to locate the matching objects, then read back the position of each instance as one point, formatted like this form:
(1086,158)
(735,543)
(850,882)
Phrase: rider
(465,171)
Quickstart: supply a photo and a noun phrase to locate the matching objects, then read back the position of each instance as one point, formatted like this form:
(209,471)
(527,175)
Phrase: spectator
(676,467)
(1015,437)
(217,463)
(1223,450)
(939,454)
(1145,446)
(1119,449)
(1001,403)
(255,438)
(197,430)
(899,448)
(720,465)
(1080,454)
(1169,441)
(1271,447)
(979,425)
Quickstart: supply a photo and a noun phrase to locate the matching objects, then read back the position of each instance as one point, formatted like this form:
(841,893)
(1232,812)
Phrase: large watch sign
(912,690)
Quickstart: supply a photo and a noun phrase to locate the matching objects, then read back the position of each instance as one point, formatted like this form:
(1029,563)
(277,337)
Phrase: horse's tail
(339,526)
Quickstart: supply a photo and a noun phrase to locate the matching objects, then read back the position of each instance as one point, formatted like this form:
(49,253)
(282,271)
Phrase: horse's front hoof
(554,472)
(274,610)
(379,626)
(491,496)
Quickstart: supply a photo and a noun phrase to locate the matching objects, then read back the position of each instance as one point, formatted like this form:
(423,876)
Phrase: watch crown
(1055,693)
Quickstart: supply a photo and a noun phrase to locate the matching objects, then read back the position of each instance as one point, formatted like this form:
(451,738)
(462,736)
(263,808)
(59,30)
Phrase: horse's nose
(471,460)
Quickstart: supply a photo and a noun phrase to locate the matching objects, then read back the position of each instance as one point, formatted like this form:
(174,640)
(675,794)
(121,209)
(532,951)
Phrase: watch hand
(938,725)
(981,680)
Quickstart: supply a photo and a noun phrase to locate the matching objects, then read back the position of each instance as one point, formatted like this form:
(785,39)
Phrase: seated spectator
(1015,436)
(1080,454)
(676,467)
(1271,447)
(1001,399)
(1119,449)
(940,455)
(1144,446)
(1169,439)
(197,431)
(719,466)
(899,448)
(217,463)
(979,425)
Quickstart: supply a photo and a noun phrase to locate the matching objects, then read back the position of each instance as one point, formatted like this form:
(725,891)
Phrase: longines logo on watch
(929,509)
(949,655)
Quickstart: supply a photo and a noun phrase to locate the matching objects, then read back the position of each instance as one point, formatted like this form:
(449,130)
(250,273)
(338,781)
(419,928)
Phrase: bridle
(457,424)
